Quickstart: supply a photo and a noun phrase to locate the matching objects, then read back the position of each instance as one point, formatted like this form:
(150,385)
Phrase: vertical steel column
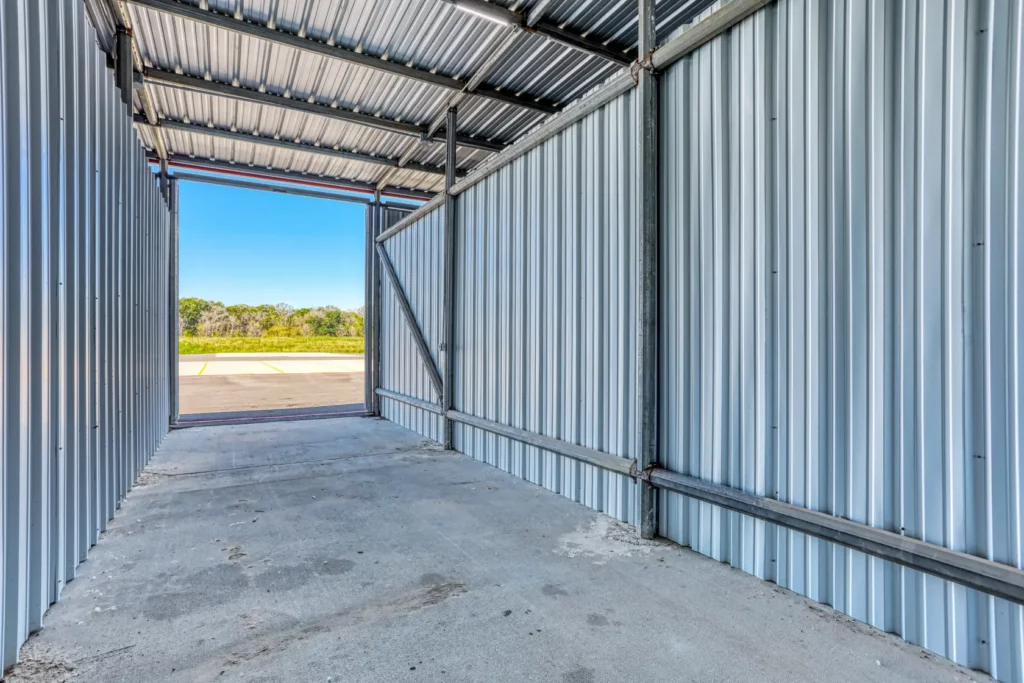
(376,227)
(369,395)
(172,302)
(164,177)
(448,321)
(647,328)
(123,67)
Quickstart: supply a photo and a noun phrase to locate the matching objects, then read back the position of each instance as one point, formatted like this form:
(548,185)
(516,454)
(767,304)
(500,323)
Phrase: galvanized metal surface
(418,257)
(431,36)
(842,300)
(411,324)
(451,222)
(83,295)
(268,187)
(546,297)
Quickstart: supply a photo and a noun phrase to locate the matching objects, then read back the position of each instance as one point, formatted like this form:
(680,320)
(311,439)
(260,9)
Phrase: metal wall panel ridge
(842,306)
(546,296)
(83,253)
(417,255)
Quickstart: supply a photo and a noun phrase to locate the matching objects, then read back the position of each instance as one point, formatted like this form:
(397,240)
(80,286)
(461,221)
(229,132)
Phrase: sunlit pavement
(268,364)
(217,384)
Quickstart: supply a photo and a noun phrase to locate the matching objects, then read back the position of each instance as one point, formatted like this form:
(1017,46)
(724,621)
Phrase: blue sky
(242,246)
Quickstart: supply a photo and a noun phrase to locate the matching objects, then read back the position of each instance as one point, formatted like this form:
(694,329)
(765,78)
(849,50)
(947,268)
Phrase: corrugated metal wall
(84,299)
(842,300)
(546,297)
(842,311)
(417,254)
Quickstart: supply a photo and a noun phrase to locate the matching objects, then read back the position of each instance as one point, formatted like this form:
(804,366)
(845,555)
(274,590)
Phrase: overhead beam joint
(230,23)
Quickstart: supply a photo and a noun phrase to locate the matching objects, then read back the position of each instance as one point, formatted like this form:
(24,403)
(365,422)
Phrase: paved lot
(229,383)
(350,550)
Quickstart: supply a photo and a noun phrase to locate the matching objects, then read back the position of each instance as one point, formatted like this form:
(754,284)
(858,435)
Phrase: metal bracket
(645,64)
(640,475)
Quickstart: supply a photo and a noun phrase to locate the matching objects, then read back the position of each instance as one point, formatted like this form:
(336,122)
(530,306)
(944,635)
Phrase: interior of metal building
(655,290)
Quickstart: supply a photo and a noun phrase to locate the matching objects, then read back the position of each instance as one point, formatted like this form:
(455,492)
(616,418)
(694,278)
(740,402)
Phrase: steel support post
(369,385)
(647,342)
(164,178)
(448,322)
(124,68)
(376,219)
(172,303)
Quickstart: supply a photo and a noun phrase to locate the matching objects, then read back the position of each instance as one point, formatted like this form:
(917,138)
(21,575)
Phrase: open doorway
(272,310)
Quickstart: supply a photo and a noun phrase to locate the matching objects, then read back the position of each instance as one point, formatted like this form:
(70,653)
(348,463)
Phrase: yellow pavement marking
(272,367)
(202,369)
(307,367)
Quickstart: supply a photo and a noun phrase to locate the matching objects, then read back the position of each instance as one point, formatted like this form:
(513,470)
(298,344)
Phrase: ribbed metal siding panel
(417,254)
(83,297)
(842,300)
(545,338)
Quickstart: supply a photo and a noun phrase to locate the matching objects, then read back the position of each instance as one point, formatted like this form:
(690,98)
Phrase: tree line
(201,318)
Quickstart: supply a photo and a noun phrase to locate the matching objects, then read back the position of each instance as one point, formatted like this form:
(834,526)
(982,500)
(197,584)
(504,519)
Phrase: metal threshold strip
(1000,580)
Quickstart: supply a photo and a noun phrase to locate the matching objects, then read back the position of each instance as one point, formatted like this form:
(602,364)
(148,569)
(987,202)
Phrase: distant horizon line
(278,303)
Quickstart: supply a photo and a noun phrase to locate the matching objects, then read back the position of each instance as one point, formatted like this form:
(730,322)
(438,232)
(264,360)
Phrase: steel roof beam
(122,22)
(494,56)
(548,29)
(266,187)
(170,79)
(200,129)
(297,42)
(285,176)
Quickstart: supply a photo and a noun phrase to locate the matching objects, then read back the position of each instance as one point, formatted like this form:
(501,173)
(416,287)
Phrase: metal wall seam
(16,229)
(842,301)
(417,255)
(74,180)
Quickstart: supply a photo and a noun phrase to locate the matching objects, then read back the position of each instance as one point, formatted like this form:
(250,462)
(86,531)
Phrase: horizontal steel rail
(280,189)
(410,319)
(968,570)
(419,213)
(708,28)
(229,23)
(590,456)
(689,40)
(169,79)
(298,178)
(974,572)
(619,83)
(250,138)
(434,408)
(996,579)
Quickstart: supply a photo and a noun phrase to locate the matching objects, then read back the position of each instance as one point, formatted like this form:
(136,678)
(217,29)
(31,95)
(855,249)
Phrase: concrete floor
(253,383)
(352,550)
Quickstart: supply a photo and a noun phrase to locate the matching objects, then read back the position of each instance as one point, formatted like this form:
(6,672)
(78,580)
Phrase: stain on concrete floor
(339,550)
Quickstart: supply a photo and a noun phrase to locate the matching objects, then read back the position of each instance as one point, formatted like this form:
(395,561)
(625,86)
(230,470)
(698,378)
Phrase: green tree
(190,311)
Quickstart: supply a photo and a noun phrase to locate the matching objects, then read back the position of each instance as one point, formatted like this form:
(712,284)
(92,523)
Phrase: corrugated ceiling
(430,35)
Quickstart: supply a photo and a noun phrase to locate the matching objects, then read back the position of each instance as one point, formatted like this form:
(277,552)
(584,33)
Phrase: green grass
(195,345)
